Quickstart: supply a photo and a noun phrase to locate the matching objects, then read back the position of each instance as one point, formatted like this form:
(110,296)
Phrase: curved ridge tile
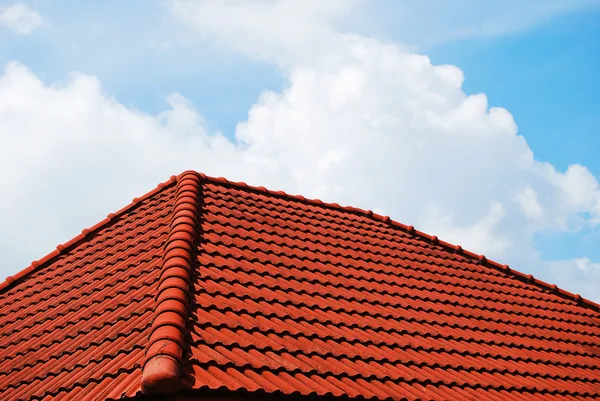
(166,344)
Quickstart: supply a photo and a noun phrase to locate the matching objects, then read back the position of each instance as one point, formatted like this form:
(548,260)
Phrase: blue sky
(115,39)
(539,63)
(547,76)
(544,74)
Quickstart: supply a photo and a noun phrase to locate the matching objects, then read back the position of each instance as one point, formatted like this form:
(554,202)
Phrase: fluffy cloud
(69,154)
(395,133)
(369,125)
(363,123)
(372,124)
(19,18)
(581,274)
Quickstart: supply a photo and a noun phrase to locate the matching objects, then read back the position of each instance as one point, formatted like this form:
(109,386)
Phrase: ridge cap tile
(161,371)
(61,332)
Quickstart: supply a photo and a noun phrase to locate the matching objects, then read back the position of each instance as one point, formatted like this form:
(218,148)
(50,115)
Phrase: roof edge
(166,343)
(527,278)
(10,281)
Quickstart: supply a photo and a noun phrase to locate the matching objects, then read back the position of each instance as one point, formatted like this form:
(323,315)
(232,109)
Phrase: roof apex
(528,278)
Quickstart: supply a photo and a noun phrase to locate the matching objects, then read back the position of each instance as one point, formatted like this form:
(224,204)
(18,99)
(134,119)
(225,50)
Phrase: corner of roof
(528,278)
(504,268)
(85,234)
(161,372)
(483,260)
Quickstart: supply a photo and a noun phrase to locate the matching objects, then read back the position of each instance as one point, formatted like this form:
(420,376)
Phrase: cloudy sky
(474,121)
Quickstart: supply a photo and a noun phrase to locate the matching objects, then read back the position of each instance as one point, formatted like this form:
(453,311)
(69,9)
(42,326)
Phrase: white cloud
(272,28)
(70,154)
(579,275)
(415,146)
(527,199)
(19,18)
(280,30)
(581,191)
(359,122)
(482,235)
(427,23)
(369,125)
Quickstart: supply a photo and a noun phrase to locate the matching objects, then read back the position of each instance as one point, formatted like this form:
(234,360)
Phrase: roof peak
(63,248)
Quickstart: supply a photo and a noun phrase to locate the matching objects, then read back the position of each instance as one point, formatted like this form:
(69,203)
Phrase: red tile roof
(204,284)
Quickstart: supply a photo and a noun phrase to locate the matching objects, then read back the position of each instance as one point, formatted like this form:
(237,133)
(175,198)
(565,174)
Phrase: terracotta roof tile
(78,321)
(204,284)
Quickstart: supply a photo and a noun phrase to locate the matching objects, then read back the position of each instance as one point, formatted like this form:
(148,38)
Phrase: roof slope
(205,284)
(79,320)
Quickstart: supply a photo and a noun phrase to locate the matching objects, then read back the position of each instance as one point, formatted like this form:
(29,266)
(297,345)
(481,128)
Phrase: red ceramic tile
(76,326)
(204,284)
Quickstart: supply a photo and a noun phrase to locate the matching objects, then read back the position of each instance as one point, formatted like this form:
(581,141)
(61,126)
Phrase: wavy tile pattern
(300,298)
(288,296)
(76,328)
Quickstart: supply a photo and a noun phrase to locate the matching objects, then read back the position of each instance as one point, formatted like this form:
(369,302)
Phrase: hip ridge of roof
(161,371)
